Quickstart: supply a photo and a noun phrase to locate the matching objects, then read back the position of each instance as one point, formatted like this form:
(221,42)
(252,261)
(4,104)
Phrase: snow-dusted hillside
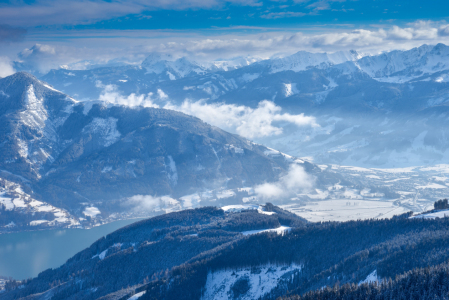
(86,163)
(172,68)
(19,210)
(403,66)
(373,110)
(247,283)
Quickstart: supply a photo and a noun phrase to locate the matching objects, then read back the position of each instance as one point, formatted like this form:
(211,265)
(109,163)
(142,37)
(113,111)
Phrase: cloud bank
(147,203)
(6,67)
(49,12)
(11,34)
(296,180)
(245,121)
(134,45)
(112,95)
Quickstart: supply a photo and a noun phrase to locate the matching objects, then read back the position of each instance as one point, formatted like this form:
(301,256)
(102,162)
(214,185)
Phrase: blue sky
(65,31)
(207,14)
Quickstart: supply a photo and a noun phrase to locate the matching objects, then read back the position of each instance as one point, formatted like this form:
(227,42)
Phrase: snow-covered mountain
(90,161)
(173,68)
(303,60)
(231,64)
(365,105)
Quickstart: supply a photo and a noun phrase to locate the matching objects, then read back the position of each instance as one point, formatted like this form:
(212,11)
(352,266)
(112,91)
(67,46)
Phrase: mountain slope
(262,253)
(146,249)
(106,162)
(365,105)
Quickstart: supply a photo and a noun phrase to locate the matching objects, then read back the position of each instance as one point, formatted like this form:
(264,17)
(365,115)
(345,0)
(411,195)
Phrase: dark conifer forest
(171,256)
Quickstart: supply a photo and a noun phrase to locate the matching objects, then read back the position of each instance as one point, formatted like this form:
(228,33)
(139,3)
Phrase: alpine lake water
(26,254)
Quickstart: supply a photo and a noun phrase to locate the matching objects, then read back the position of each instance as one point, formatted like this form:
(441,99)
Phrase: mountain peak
(22,76)
(156,57)
(440,48)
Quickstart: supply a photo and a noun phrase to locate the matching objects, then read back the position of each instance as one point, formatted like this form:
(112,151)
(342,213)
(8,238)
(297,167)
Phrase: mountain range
(386,110)
(71,163)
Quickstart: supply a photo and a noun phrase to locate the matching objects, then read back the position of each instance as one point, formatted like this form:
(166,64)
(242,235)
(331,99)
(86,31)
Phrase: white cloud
(296,180)
(443,30)
(368,40)
(245,121)
(278,15)
(111,94)
(134,45)
(49,12)
(147,203)
(44,57)
(40,58)
(6,68)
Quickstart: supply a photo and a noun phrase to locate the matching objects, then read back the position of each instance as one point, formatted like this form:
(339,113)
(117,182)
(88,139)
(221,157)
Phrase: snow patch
(137,296)
(106,129)
(239,208)
(372,277)
(290,89)
(225,194)
(261,280)
(431,186)
(250,77)
(38,222)
(280,230)
(438,214)
(173,173)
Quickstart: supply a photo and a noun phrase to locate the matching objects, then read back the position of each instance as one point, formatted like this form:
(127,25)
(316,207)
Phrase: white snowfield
(137,296)
(239,208)
(438,214)
(242,207)
(15,199)
(372,277)
(219,283)
(280,230)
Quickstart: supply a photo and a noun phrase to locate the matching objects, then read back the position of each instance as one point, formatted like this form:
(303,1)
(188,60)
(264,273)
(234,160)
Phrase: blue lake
(26,254)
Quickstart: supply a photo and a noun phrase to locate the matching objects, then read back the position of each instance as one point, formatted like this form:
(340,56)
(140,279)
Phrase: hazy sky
(50,33)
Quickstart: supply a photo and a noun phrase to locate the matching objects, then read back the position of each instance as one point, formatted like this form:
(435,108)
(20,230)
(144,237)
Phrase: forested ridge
(425,284)
(171,256)
(146,250)
(332,254)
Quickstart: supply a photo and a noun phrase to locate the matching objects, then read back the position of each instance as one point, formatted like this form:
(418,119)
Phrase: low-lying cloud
(6,67)
(243,120)
(112,95)
(296,180)
(147,203)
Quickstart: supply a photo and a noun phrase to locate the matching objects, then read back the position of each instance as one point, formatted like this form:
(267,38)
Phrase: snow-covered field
(438,214)
(374,193)
(345,210)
